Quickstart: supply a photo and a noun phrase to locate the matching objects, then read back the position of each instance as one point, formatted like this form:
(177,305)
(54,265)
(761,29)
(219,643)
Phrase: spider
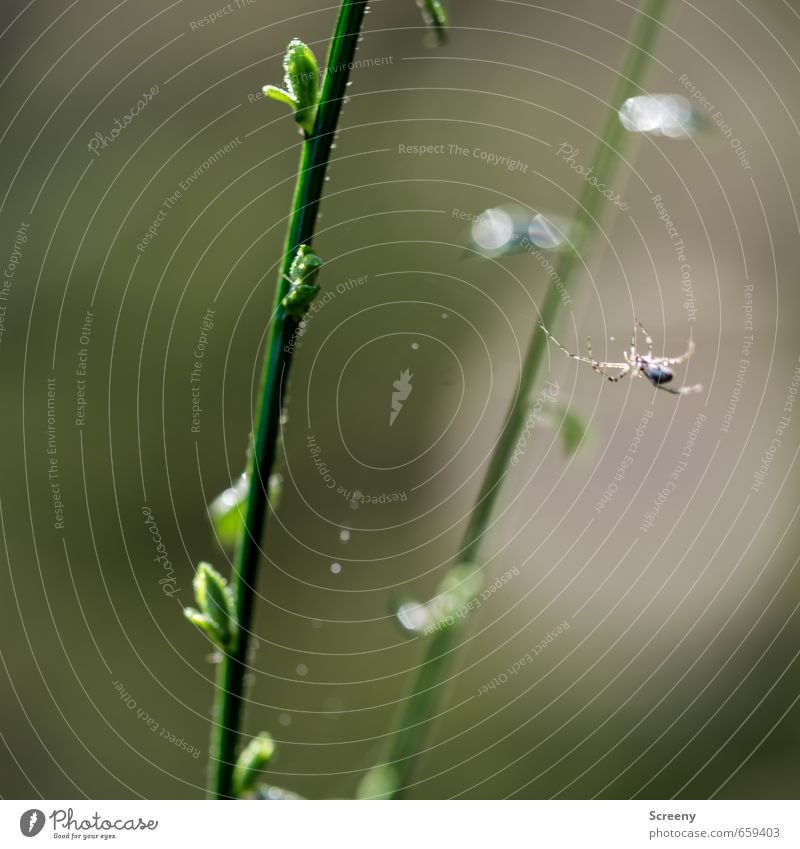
(656,369)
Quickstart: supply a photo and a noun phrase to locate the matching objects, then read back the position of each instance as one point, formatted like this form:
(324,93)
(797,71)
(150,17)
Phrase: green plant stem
(419,710)
(229,700)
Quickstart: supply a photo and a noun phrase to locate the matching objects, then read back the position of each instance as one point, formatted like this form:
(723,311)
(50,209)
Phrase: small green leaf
(254,757)
(302,279)
(204,624)
(380,782)
(227,512)
(299,298)
(572,431)
(455,594)
(413,617)
(301,80)
(216,603)
(275,93)
(453,600)
(275,490)
(305,266)
(463,582)
(301,84)
(270,793)
(435,15)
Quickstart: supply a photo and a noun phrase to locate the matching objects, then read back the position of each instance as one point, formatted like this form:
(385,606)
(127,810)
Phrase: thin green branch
(420,708)
(229,701)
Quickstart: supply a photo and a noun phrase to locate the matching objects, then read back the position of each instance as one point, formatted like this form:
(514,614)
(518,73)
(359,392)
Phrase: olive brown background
(678,673)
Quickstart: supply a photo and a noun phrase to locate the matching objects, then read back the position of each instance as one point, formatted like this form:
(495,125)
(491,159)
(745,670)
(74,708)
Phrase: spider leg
(601,367)
(569,353)
(684,390)
(615,377)
(647,338)
(676,361)
(597,365)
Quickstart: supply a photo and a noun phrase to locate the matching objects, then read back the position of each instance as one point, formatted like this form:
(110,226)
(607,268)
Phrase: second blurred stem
(392,779)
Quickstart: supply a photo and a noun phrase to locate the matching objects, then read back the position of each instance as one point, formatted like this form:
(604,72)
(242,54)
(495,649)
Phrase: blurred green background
(678,674)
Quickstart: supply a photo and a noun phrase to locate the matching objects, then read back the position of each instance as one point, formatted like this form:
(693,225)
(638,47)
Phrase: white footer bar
(402,825)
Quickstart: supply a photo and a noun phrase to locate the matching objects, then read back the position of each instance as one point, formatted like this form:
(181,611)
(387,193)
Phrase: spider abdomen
(657,374)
